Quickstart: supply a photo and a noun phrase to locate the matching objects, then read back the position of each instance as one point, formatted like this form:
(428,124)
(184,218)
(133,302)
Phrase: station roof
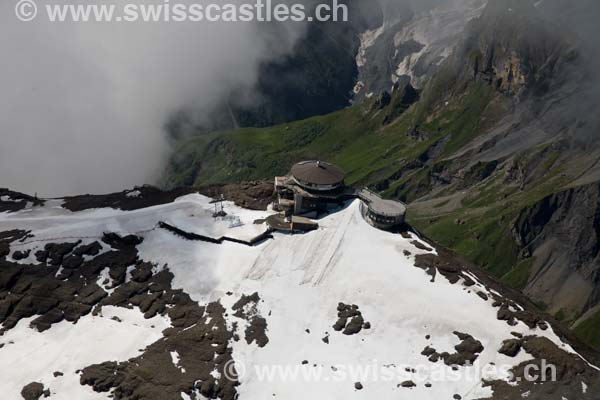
(318,173)
(382,206)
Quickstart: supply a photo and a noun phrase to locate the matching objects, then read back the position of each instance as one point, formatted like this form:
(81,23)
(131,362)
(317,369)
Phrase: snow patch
(105,281)
(367,39)
(29,355)
(175,360)
(134,193)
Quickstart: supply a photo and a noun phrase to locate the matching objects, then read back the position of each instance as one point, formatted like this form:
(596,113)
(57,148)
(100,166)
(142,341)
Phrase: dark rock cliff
(513,49)
(562,234)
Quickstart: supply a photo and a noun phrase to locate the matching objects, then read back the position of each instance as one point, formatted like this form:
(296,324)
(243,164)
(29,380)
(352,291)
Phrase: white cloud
(83,105)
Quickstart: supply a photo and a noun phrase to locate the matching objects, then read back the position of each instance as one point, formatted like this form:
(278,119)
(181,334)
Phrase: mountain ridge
(494,132)
(197,312)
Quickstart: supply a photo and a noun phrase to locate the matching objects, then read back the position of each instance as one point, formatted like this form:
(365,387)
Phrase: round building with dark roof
(318,175)
(318,186)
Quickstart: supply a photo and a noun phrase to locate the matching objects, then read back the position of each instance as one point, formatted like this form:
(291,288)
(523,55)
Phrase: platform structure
(293,223)
(219,207)
(382,213)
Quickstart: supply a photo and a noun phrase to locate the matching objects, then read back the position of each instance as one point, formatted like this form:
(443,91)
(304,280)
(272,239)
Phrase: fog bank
(83,106)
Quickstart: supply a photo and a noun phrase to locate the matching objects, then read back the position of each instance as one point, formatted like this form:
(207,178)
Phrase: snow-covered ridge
(192,213)
(300,281)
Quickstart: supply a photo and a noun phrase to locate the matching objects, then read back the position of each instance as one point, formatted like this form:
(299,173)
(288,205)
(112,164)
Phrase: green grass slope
(470,209)
(356,138)
(589,330)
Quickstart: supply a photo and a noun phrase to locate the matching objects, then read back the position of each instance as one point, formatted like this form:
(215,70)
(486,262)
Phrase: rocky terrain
(481,115)
(382,43)
(494,145)
(13,201)
(411,43)
(255,195)
(316,77)
(115,306)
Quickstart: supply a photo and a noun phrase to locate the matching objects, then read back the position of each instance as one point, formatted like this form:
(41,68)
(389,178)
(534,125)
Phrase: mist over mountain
(109,101)
(84,105)
(95,107)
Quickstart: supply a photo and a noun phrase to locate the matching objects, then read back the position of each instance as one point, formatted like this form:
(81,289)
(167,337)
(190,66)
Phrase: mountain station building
(311,186)
(317,186)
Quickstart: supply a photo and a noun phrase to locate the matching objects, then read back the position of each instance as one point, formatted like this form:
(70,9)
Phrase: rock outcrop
(561,233)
